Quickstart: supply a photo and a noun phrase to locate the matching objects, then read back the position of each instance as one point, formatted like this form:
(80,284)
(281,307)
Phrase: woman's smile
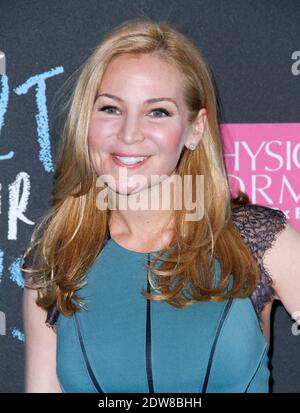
(130,162)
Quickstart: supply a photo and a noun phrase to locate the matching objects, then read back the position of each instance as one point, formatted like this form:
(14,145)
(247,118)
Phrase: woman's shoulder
(258,225)
(250,213)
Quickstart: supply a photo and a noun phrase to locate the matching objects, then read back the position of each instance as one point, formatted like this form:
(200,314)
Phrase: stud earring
(192,146)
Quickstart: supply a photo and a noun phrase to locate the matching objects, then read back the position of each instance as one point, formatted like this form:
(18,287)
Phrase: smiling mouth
(130,161)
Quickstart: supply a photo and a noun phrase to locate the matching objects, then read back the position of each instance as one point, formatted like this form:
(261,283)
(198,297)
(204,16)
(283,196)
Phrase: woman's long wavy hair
(70,236)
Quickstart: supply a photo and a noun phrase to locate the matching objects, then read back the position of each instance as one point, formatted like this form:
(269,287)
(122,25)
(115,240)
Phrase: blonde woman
(146,300)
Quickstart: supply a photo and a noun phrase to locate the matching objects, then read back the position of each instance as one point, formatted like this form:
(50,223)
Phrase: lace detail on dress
(259,226)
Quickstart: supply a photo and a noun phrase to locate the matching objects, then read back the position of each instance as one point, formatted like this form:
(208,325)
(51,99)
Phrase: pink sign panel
(263,160)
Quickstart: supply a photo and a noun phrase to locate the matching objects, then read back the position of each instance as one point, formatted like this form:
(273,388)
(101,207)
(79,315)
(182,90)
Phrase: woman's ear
(197,128)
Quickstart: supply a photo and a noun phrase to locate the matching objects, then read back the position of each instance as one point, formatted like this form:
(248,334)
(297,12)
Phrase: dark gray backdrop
(249,46)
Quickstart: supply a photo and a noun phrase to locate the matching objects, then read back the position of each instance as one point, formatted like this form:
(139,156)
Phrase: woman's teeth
(131,160)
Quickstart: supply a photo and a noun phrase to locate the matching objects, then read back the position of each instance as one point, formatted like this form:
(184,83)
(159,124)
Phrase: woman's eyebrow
(146,101)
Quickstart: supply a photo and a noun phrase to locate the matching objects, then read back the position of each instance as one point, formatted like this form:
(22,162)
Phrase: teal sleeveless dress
(125,343)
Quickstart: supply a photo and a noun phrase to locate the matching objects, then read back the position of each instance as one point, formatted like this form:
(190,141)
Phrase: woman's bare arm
(40,348)
(283,262)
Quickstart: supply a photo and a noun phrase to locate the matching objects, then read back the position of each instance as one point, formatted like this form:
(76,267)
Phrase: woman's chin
(127,190)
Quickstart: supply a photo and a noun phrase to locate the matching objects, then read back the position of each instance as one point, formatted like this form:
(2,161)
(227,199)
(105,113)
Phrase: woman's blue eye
(107,107)
(162,111)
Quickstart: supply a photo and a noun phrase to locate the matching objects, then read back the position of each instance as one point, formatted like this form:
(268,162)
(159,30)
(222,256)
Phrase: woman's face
(127,123)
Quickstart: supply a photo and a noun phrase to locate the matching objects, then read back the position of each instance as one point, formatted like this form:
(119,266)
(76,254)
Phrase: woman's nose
(130,130)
